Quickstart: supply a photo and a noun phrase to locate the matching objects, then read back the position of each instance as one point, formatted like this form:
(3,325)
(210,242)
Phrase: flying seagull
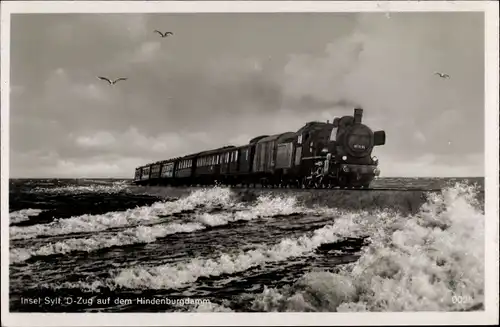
(164,34)
(112,82)
(442,75)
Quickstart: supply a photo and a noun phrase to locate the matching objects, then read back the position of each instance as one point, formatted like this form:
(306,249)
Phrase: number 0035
(461,299)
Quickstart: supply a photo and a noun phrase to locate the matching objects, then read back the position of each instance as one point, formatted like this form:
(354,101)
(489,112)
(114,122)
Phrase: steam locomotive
(319,155)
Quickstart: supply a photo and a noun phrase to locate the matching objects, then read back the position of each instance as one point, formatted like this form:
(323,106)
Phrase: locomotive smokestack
(358,115)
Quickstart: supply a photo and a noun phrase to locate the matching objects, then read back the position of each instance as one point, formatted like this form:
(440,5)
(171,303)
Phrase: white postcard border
(489,316)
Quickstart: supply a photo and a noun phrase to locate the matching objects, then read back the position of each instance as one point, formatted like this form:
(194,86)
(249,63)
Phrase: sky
(225,78)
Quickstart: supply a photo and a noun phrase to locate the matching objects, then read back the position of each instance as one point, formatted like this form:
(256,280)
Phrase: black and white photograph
(334,160)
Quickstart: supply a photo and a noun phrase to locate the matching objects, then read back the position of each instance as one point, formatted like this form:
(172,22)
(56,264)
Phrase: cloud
(430,165)
(96,169)
(211,85)
(130,26)
(143,53)
(16,90)
(60,84)
(133,142)
(52,165)
(322,77)
(100,139)
(240,139)
(419,137)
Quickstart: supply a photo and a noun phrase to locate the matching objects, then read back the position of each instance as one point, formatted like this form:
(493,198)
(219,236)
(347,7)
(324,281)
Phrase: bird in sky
(110,81)
(164,34)
(442,75)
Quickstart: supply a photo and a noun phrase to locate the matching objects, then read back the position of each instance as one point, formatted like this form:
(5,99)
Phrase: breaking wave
(140,234)
(144,214)
(179,275)
(430,261)
(266,207)
(115,187)
(23,215)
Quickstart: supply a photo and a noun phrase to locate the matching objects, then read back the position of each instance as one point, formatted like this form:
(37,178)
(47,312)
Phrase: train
(318,155)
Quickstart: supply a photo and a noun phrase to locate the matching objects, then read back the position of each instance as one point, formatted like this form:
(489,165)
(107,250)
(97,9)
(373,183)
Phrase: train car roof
(275,137)
(242,146)
(156,162)
(236,148)
(313,125)
(167,161)
(207,152)
(214,151)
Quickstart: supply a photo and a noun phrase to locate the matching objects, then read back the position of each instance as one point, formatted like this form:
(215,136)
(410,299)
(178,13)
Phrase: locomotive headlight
(375,159)
(376,171)
(344,158)
(345,169)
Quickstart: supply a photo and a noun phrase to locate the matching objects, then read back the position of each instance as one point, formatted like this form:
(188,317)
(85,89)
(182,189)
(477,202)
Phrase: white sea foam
(181,274)
(135,216)
(115,187)
(419,262)
(23,215)
(141,234)
(266,207)
(168,276)
(426,262)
